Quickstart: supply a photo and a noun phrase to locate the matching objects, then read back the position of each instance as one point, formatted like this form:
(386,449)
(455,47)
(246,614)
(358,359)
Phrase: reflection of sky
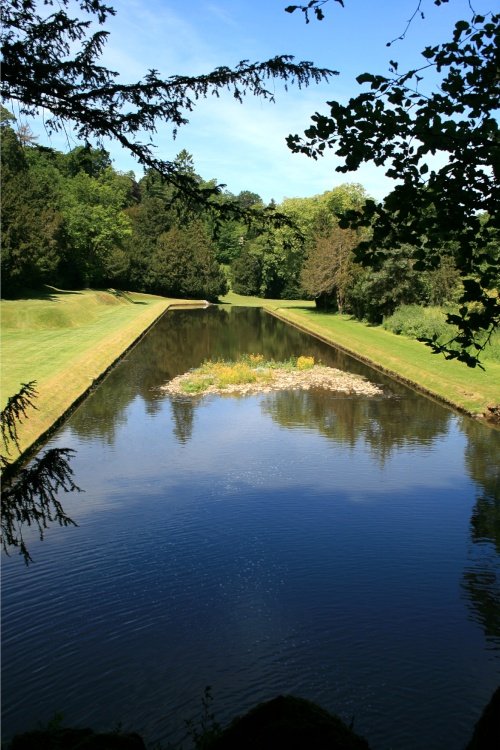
(257,558)
(235,445)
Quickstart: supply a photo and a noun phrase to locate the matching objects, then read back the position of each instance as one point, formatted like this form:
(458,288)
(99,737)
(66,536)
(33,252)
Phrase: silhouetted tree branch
(13,415)
(29,496)
(439,210)
(41,70)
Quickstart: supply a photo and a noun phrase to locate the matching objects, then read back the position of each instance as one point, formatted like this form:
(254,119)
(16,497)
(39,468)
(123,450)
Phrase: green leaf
(365,78)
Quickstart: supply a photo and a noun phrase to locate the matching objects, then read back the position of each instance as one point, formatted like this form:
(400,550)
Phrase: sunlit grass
(240,300)
(469,389)
(65,341)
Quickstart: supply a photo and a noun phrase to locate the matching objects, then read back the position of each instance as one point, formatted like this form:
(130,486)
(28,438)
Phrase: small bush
(256,359)
(419,322)
(305,363)
(197,384)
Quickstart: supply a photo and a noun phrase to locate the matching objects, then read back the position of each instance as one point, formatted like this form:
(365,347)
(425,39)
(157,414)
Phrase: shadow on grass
(47,293)
(345,316)
(126,296)
(52,293)
(295,307)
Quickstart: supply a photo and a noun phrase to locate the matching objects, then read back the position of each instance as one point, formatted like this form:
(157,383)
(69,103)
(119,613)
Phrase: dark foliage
(29,496)
(449,210)
(14,413)
(291,722)
(246,274)
(42,70)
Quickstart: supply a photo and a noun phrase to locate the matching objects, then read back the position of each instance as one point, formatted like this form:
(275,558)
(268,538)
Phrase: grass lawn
(469,389)
(238,300)
(66,341)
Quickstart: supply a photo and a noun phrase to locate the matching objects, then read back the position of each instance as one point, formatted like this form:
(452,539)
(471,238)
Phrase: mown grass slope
(240,300)
(65,341)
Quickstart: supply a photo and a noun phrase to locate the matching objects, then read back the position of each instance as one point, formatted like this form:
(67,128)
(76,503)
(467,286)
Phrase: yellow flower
(305,363)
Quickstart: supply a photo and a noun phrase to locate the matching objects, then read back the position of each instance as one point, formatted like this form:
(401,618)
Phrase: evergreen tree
(183,264)
(51,61)
(32,223)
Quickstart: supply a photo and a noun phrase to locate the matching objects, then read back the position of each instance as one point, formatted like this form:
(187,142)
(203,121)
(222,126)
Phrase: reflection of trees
(385,425)
(482,458)
(182,340)
(101,414)
(382,423)
(481,580)
(183,415)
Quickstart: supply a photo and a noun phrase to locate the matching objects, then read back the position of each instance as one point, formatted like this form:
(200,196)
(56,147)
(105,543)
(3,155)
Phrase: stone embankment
(318,376)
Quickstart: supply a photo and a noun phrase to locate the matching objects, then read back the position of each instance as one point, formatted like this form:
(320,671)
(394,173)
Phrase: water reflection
(347,420)
(384,430)
(327,543)
(183,416)
(182,340)
(481,580)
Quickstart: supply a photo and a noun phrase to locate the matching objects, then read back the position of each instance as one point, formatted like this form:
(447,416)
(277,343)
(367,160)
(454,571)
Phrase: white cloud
(244,146)
(241,145)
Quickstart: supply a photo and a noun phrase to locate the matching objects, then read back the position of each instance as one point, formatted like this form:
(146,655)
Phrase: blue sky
(243,145)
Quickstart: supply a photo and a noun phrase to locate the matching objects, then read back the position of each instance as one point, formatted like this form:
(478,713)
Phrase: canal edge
(31,449)
(384,370)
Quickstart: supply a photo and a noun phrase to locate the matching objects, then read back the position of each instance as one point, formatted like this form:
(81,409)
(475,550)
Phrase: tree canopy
(50,61)
(441,145)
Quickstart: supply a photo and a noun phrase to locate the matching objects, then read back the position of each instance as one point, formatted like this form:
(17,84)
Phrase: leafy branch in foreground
(449,210)
(316,7)
(42,71)
(312,5)
(30,495)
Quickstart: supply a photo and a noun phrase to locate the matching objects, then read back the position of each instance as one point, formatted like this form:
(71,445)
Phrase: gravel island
(318,376)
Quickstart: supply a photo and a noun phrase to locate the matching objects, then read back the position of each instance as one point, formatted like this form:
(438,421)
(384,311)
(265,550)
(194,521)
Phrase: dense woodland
(73,221)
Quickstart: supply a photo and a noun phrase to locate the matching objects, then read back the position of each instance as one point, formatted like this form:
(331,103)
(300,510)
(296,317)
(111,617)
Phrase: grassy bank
(66,341)
(238,300)
(471,390)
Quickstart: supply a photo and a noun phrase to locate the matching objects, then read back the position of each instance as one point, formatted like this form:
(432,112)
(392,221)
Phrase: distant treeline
(71,220)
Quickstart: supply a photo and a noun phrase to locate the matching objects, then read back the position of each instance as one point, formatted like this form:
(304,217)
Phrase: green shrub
(425,322)
(419,322)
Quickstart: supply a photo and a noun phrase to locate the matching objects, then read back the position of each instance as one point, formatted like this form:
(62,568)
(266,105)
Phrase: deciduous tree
(402,125)
(96,226)
(32,223)
(329,270)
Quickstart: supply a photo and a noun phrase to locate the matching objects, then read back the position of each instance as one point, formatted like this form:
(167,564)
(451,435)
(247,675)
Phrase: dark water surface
(344,549)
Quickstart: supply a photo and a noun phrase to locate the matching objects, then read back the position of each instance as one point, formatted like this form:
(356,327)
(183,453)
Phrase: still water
(343,549)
